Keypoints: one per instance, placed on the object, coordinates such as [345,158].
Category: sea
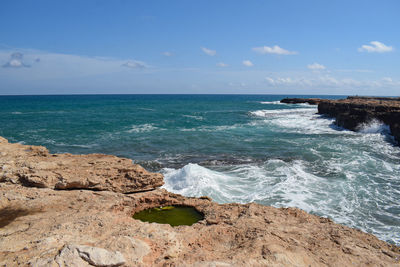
[232,148]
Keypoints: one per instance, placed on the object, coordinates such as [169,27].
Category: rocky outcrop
[311,101]
[34,166]
[352,112]
[47,227]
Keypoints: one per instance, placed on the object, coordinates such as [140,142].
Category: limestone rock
[75,255]
[48,227]
[229,235]
[34,166]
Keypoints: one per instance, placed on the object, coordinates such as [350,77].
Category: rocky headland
[311,101]
[76,210]
[353,112]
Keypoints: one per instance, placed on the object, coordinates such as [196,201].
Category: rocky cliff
[311,101]
[91,224]
[352,112]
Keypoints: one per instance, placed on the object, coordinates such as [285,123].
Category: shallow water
[231,148]
[172,215]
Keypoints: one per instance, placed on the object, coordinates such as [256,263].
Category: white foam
[147,109]
[345,196]
[200,118]
[266,113]
[374,127]
[148,127]
[16,112]
[212,128]
[272,103]
[298,120]
[194,180]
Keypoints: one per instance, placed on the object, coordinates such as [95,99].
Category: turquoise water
[233,148]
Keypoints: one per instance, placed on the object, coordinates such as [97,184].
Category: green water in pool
[173,215]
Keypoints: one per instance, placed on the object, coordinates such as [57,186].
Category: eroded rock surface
[34,166]
[47,227]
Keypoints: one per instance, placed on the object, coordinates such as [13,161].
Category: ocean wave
[300,120]
[194,180]
[147,127]
[212,128]
[292,105]
[199,118]
[271,112]
[16,113]
[147,109]
[373,127]
[272,103]
[341,190]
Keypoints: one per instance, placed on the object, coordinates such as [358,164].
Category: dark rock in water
[311,101]
[352,112]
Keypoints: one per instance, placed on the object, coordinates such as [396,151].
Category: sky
[200,47]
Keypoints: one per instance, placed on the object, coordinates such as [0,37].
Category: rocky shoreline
[76,210]
[354,111]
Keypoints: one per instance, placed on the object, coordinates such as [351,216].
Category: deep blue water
[234,148]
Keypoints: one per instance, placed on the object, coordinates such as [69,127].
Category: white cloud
[247,63]
[134,64]
[387,79]
[209,51]
[375,46]
[316,66]
[273,50]
[16,61]
[167,54]
[222,64]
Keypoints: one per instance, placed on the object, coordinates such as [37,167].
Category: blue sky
[236,47]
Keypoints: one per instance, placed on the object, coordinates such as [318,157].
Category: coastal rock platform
[42,224]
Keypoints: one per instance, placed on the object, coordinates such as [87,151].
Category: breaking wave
[148,127]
